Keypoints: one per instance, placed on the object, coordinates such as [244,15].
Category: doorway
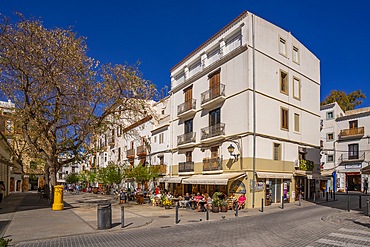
[276,190]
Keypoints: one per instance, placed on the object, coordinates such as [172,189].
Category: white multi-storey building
[345,146]
[212,114]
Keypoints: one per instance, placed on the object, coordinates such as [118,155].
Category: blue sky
[162,33]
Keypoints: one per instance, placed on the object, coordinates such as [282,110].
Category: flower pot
[223,209]
[215,209]
[167,206]
[95,190]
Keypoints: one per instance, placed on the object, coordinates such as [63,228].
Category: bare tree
[61,95]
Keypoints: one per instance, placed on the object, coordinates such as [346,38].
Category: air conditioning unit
[323,153]
[296,163]
[302,150]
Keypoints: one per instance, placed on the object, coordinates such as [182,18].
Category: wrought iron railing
[186,106]
[214,130]
[130,152]
[213,93]
[186,138]
[186,166]
[351,156]
[161,168]
[212,164]
[141,150]
[352,132]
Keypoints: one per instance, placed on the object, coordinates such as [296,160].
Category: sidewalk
[23,218]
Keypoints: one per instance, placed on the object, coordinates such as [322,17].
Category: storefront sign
[237,187]
[259,185]
[354,166]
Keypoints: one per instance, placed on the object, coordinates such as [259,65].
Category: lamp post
[231,151]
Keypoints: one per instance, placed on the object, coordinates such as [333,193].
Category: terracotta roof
[209,39]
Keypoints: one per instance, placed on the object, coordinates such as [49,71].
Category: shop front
[277,186]
[349,177]
[353,181]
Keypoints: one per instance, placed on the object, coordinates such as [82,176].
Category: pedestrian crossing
[345,237]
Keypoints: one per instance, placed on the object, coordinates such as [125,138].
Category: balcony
[187,108]
[213,96]
[213,133]
[352,133]
[130,154]
[306,165]
[352,157]
[186,166]
[141,150]
[212,164]
[186,140]
[161,169]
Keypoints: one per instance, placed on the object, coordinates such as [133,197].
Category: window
[284,119]
[105,140]
[353,124]
[154,159]
[277,151]
[66,172]
[161,160]
[119,154]
[282,46]
[162,112]
[352,151]
[73,170]
[302,156]
[188,156]
[296,88]
[234,42]
[213,56]
[195,68]
[330,115]
[188,95]
[284,82]
[189,126]
[330,137]
[214,152]
[105,158]
[296,122]
[295,54]
[215,117]
[155,139]
[330,158]
[161,138]
[60,176]
[180,78]
[132,144]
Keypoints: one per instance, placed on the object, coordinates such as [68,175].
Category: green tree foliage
[72,178]
[141,173]
[346,102]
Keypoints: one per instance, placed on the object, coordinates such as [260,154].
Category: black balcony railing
[212,131]
[351,156]
[186,138]
[186,106]
[212,164]
[186,166]
[213,93]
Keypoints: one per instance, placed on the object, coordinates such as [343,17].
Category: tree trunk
[22,178]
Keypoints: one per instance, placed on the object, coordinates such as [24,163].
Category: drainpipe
[254,113]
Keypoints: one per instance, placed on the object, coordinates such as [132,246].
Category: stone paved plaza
[323,224]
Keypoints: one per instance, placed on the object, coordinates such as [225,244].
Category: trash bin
[104,216]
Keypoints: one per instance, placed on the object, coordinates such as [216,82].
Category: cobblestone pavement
[296,227]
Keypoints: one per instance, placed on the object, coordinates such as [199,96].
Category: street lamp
[231,151]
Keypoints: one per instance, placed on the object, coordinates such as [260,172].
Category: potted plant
[216,202]
[223,205]
[167,204]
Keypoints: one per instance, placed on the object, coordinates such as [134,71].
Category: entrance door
[276,190]
[354,182]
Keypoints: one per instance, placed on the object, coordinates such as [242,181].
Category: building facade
[212,113]
[345,146]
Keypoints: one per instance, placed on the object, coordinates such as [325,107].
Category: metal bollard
[334,195]
[282,202]
[359,201]
[331,194]
[348,206]
[368,208]
[314,197]
[177,215]
[262,206]
[122,216]
[327,196]
[207,213]
[300,199]
[236,210]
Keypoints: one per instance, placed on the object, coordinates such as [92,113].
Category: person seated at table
[208,205]
[233,197]
[152,198]
[241,201]
[198,198]
[222,196]
[169,196]
[187,199]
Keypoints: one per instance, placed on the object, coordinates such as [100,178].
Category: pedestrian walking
[2,189]
[366,184]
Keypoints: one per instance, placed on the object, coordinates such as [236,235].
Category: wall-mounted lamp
[231,151]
